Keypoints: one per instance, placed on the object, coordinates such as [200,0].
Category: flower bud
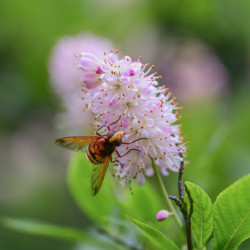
[163,215]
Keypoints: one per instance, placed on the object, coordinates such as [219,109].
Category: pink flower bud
[162,215]
[99,70]
[131,72]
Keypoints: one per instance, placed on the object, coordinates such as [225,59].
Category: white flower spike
[126,88]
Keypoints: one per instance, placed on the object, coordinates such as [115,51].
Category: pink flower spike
[163,215]
[127,94]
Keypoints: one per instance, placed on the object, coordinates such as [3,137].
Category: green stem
[165,195]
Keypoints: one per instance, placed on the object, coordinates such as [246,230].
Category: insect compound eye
[118,142]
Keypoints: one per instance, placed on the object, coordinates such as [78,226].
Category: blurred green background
[33,170]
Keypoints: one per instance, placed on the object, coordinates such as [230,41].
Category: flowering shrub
[125,95]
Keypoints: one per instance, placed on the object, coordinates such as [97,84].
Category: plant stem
[165,194]
[188,231]
[180,187]
[183,205]
[186,215]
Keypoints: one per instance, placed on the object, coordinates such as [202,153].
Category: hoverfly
[99,151]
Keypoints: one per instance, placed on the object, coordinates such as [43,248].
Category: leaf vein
[236,229]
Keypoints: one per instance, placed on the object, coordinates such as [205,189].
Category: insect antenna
[97,131]
[120,156]
[134,141]
[114,122]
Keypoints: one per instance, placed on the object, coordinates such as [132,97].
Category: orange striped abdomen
[99,149]
[93,154]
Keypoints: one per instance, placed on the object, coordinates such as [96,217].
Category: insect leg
[114,122]
[126,152]
[99,130]
[116,161]
[134,141]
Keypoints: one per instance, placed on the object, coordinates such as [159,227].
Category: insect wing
[75,143]
[98,174]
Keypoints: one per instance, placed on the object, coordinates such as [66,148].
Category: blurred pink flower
[194,71]
[66,77]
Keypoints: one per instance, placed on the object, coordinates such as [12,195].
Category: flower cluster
[124,88]
[194,71]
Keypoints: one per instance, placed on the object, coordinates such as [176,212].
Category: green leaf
[95,207]
[112,199]
[202,217]
[135,203]
[44,229]
[99,240]
[232,215]
[154,236]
